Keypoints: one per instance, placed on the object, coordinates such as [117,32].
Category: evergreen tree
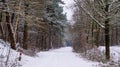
[54,12]
[56,19]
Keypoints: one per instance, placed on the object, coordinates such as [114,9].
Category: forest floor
[62,57]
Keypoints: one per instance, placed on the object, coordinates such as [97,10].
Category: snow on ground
[114,51]
[63,57]
[4,52]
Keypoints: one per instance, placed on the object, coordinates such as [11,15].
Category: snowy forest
[38,33]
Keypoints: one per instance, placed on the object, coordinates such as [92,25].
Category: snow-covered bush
[114,62]
[98,55]
[94,55]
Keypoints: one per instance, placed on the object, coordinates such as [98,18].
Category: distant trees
[95,20]
[34,24]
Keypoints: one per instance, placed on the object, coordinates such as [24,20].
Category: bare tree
[101,13]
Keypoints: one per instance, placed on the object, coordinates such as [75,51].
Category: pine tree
[56,19]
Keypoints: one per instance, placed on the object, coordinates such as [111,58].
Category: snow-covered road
[63,57]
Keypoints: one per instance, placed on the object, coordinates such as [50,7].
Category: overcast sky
[68,8]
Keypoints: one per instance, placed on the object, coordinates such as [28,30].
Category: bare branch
[88,13]
[117,7]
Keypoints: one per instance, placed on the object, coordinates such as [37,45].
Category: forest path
[63,57]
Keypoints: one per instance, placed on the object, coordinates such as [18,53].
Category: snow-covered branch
[89,14]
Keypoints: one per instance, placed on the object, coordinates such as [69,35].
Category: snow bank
[8,57]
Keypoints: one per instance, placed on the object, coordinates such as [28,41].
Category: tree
[56,20]
[100,12]
[26,20]
[25,35]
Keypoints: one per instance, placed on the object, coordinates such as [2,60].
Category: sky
[68,8]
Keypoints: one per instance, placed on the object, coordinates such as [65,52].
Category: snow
[63,57]
[114,51]
[4,52]
[68,8]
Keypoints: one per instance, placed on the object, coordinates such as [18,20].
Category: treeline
[34,24]
[96,24]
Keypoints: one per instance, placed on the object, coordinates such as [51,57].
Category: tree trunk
[10,30]
[117,35]
[107,41]
[50,36]
[97,37]
[25,36]
[1,28]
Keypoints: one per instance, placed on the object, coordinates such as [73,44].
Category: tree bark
[107,44]
[25,36]
[1,28]
[11,33]
[107,41]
